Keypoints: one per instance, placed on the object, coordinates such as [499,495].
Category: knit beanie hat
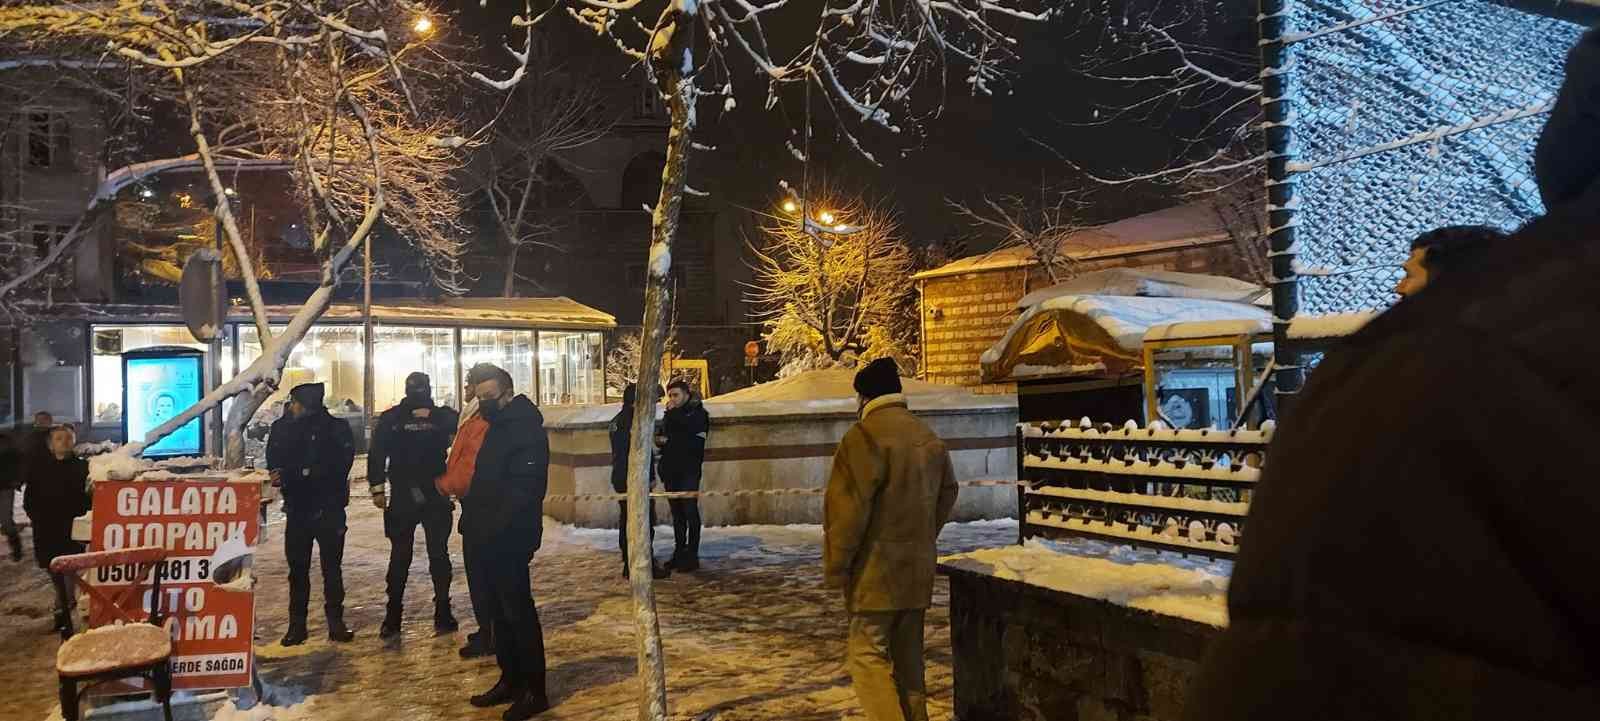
[879,378]
[310,395]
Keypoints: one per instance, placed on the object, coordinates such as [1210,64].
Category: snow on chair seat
[113,648]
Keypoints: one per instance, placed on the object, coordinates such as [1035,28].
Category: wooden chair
[135,648]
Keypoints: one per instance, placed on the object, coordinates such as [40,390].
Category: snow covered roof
[1178,226]
[1097,334]
[1152,282]
[561,313]
[1191,330]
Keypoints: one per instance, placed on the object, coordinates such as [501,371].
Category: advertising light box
[157,385]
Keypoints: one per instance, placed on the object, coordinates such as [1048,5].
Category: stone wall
[1025,653]
[755,446]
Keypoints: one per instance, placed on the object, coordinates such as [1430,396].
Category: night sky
[977,145]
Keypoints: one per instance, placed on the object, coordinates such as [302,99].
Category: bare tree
[343,97]
[1043,226]
[550,112]
[834,304]
[860,60]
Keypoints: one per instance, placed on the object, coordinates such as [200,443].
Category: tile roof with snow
[1178,226]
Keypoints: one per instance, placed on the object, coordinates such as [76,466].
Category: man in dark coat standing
[1413,551]
[502,521]
[309,454]
[682,440]
[409,446]
[621,434]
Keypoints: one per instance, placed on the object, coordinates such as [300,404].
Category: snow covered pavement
[753,635]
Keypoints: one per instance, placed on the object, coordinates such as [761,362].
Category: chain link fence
[1409,115]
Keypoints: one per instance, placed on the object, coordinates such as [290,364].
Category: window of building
[105,374]
[332,355]
[569,369]
[649,104]
[509,349]
[48,134]
[402,350]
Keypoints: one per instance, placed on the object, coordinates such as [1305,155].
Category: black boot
[443,620]
[479,644]
[529,703]
[296,634]
[503,692]
[391,624]
[15,540]
[337,631]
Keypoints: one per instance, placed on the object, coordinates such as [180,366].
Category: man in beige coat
[891,490]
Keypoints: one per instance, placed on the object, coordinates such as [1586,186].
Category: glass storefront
[569,368]
[330,354]
[403,350]
[509,349]
[110,341]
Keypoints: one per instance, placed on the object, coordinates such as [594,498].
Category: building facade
[967,305]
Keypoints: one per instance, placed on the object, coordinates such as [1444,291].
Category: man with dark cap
[621,435]
[409,446]
[1410,552]
[892,489]
[1443,251]
[502,520]
[681,438]
[309,455]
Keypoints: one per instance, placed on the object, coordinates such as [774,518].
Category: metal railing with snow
[1177,490]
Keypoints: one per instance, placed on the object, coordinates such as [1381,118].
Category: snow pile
[86,450]
[1208,329]
[823,384]
[108,647]
[1330,325]
[1150,282]
[119,465]
[1125,319]
[832,391]
[1160,582]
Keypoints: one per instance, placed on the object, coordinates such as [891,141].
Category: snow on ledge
[1163,583]
[1331,325]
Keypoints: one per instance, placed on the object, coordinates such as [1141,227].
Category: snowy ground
[753,635]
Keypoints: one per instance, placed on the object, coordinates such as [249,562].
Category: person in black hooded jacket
[309,454]
[621,434]
[57,493]
[682,439]
[502,522]
[409,445]
[1412,552]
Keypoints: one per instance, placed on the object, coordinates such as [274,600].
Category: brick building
[967,305]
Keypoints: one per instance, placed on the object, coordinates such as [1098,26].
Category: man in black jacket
[682,440]
[502,521]
[309,454]
[1411,553]
[621,434]
[409,445]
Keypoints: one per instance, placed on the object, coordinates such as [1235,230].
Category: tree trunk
[509,287]
[668,65]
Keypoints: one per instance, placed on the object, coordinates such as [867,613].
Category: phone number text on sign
[211,625]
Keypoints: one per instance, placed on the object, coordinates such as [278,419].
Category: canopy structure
[1098,335]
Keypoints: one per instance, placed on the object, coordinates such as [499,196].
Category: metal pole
[368,383]
[1276,109]
[218,445]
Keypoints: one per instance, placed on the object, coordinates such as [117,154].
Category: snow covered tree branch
[824,305]
[341,97]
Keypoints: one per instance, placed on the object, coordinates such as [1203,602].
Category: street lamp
[826,217]
[789,206]
[423,25]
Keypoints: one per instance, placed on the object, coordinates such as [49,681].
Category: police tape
[669,495]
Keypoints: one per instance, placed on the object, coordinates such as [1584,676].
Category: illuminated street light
[423,25]
[826,217]
[789,206]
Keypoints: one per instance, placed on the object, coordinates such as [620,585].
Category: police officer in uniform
[409,446]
